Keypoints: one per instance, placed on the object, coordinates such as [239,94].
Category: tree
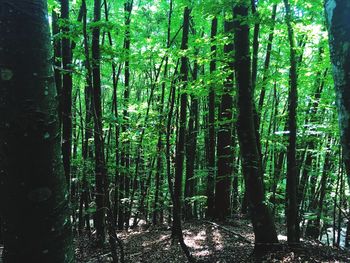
[224,141]
[264,227]
[211,126]
[339,29]
[181,139]
[66,99]
[34,198]
[292,180]
[125,155]
[100,168]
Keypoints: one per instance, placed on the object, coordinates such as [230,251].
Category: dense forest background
[195,111]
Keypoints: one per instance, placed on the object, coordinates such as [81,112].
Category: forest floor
[230,242]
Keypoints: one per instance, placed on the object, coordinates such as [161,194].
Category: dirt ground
[208,242]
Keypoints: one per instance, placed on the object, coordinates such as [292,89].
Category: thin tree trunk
[125,154]
[267,60]
[292,176]
[100,168]
[57,44]
[211,126]
[66,92]
[180,145]
[224,139]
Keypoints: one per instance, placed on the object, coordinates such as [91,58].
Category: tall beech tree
[66,95]
[292,176]
[34,198]
[100,167]
[211,125]
[224,141]
[263,224]
[337,18]
[181,139]
[125,155]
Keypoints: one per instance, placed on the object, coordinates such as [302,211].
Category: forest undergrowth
[211,242]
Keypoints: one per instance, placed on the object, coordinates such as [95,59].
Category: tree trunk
[292,176]
[100,169]
[125,154]
[224,146]
[191,150]
[66,92]
[57,45]
[180,145]
[267,61]
[337,14]
[211,126]
[34,198]
[263,225]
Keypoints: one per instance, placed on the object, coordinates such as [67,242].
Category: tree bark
[224,139]
[263,225]
[125,149]
[66,96]
[100,168]
[181,139]
[34,197]
[211,126]
[292,176]
[337,14]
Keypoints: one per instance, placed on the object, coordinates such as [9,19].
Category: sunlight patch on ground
[202,253]
[282,237]
[195,241]
[217,239]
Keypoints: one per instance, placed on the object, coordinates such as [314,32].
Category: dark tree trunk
[180,145]
[211,127]
[191,150]
[292,176]
[87,151]
[100,169]
[125,154]
[314,226]
[263,225]
[255,42]
[224,145]
[34,198]
[159,175]
[66,96]
[57,45]
[337,13]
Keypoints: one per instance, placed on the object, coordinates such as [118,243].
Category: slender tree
[125,155]
[34,198]
[292,177]
[263,224]
[211,126]
[66,97]
[100,168]
[181,139]
[224,139]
